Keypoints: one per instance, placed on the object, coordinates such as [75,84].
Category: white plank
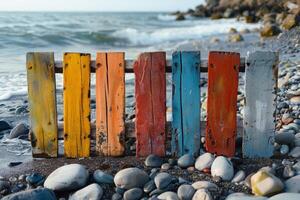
[260,104]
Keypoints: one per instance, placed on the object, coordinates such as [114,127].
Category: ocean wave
[166,17]
[141,37]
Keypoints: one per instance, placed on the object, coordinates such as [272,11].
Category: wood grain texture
[110,104]
[222,102]
[42,103]
[186,103]
[260,105]
[150,94]
[76,105]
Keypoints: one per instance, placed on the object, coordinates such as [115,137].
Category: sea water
[22,32]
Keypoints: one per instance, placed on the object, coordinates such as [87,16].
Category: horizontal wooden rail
[129,66]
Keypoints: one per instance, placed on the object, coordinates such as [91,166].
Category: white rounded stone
[223,168]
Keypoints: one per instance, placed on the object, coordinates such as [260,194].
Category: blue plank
[177,137]
[186,103]
[190,91]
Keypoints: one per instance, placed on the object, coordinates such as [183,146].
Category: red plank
[222,102]
[150,94]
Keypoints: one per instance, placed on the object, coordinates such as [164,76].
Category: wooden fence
[150,93]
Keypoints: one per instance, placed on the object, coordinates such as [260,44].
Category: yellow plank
[76,74]
[42,102]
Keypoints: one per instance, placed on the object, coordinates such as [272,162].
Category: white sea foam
[166,17]
[201,29]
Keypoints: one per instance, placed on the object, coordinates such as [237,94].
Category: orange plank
[110,100]
[222,102]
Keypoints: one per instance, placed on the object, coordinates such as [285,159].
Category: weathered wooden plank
[190,91]
[158,95]
[76,105]
[177,134]
[150,87]
[42,103]
[129,66]
[186,103]
[222,102]
[110,100]
[260,104]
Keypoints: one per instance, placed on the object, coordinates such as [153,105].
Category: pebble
[149,187]
[153,161]
[21,110]
[286,118]
[284,149]
[131,178]
[35,179]
[4,125]
[19,131]
[186,161]
[264,183]
[205,185]
[168,196]
[238,177]
[90,192]
[223,168]
[243,196]
[293,184]
[288,172]
[185,192]
[133,194]
[68,177]
[295,152]
[202,194]
[102,177]
[41,193]
[286,196]
[286,137]
[162,180]
[204,161]
[165,166]
[4,185]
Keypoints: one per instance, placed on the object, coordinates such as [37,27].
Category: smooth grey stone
[131,178]
[204,161]
[202,194]
[238,177]
[153,173]
[36,194]
[186,161]
[153,161]
[295,152]
[162,180]
[21,110]
[223,168]
[286,196]
[149,187]
[168,196]
[293,184]
[133,194]
[102,177]
[185,192]
[68,177]
[165,166]
[120,190]
[243,196]
[4,125]
[19,131]
[285,138]
[205,185]
[90,192]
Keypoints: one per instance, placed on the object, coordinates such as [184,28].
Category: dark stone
[4,125]
[153,161]
[133,194]
[35,179]
[149,187]
[13,164]
[21,110]
[116,196]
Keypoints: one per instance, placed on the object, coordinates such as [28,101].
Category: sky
[97,5]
